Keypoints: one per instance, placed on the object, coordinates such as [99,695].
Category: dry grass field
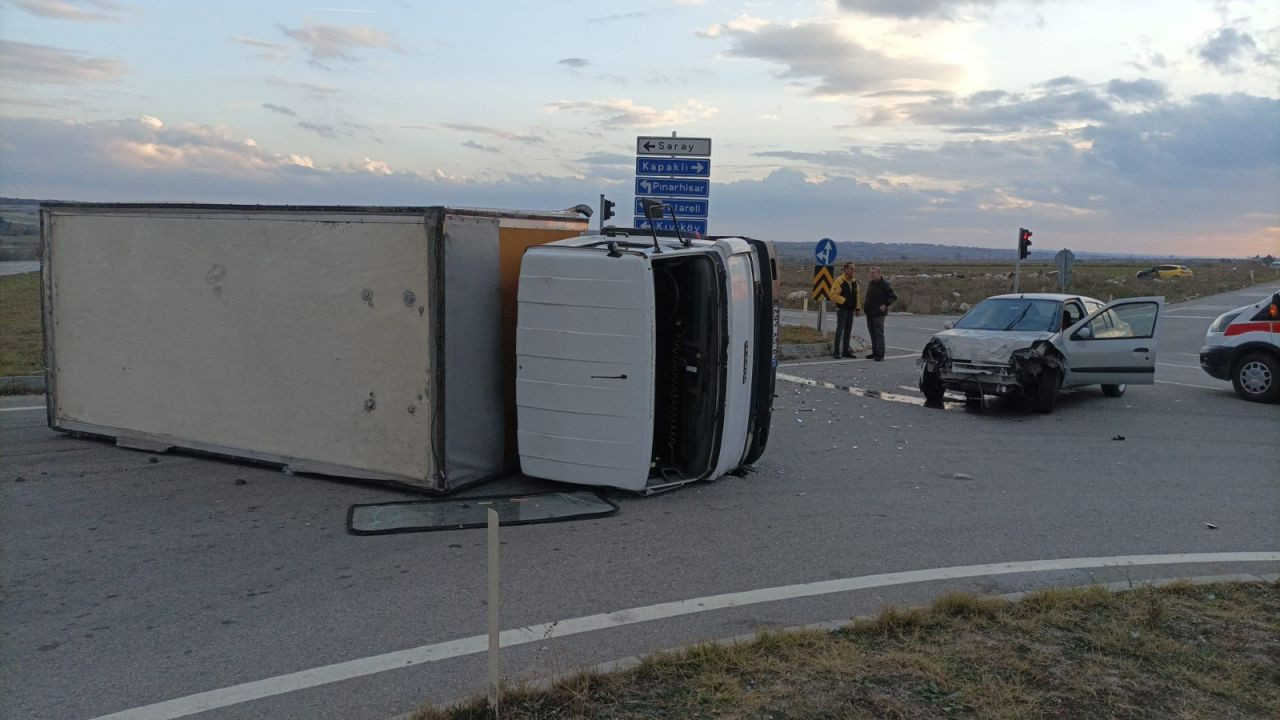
[945,288]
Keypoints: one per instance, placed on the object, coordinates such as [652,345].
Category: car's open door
[1115,345]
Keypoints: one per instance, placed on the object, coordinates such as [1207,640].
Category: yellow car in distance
[1165,272]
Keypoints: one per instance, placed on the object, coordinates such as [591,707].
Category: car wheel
[1113,390]
[1047,390]
[1256,377]
[932,388]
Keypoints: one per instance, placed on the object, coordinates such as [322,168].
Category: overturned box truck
[429,347]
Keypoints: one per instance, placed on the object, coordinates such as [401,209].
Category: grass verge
[21,344]
[1182,651]
[799,335]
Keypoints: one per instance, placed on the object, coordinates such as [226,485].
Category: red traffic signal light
[1024,243]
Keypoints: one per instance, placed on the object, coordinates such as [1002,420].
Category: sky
[1126,126]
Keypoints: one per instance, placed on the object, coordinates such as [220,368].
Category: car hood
[987,346]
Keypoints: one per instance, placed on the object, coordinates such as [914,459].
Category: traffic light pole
[1017,262]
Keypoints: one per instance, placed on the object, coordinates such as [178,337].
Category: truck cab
[645,362]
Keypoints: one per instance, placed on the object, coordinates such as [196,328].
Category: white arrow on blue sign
[660,186]
[825,251]
[673,166]
[688,227]
[684,207]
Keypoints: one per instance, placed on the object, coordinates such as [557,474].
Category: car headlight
[1220,325]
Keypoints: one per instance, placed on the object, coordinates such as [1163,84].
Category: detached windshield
[1013,314]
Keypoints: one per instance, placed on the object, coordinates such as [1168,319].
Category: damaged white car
[1032,345]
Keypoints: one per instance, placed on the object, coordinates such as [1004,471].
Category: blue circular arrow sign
[825,251]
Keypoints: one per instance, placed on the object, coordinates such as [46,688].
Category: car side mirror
[1085,333]
[948,324]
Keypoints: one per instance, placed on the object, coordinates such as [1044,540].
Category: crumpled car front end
[986,362]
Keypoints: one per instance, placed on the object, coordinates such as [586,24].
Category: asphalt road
[126,582]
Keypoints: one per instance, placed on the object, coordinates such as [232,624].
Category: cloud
[607,159]
[324,41]
[279,109]
[1141,90]
[1001,110]
[1229,49]
[319,128]
[617,17]
[821,52]
[912,8]
[523,138]
[625,113]
[1178,176]
[315,89]
[92,10]
[255,42]
[477,146]
[26,63]
[574,63]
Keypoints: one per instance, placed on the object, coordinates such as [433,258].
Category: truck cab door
[584,366]
[1115,345]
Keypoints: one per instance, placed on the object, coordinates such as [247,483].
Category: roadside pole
[1017,262]
[495,626]
[822,312]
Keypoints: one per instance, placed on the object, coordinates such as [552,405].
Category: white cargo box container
[320,338]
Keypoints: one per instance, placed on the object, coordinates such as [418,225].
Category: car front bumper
[1216,361]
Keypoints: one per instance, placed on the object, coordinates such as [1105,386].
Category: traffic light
[606,209]
[1024,243]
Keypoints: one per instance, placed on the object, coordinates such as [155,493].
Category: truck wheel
[931,386]
[1047,390]
[1256,377]
[1113,390]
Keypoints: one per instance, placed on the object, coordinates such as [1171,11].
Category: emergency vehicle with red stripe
[1243,346]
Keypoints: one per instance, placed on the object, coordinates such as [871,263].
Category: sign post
[824,279]
[1065,260]
[677,171]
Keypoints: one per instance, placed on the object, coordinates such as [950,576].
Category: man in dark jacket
[848,304]
[879,297]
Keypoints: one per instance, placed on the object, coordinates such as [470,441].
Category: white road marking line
[20,409]
[314,677]
[1202,387]
[1189,367]
[1189,317]
[930,329]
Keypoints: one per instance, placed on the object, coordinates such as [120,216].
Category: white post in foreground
[495,669]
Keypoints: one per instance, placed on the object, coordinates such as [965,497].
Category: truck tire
[1256,377]
[1113,390]
[1046,395]
[932,388]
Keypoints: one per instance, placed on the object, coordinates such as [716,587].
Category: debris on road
[1211,526]
[1118,437]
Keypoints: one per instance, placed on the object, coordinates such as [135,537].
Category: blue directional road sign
[688,227]
[673,166]
[649,187]
[684,207]
[825,252]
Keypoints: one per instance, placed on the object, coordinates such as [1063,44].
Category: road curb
[22,385]
[812,350]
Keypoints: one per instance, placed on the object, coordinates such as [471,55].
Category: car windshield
[1013,314]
